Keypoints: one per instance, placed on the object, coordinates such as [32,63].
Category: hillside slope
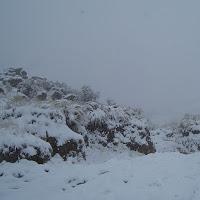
[41,118]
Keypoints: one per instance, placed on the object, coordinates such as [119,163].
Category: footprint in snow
[18,175]
[74,182]
[125,181]
[103,172]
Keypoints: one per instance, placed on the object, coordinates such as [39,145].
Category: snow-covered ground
[155,176]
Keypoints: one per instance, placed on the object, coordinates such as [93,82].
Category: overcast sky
[138,52]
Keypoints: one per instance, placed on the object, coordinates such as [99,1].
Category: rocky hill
[40,118]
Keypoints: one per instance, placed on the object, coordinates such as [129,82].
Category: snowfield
[155,176]
[61,143]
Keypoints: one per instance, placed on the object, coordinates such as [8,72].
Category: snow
[162,142]
[156,176]
[35,120]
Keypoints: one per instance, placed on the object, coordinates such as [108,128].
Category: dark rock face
[56,95]
[144,148]
[70,148]
[16,153]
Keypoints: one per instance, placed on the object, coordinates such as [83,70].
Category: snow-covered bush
[15,146]
[188,133]
[110,126]
[43,123]
[87,94]
[183,136]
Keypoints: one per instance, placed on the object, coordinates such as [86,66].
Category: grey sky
[138,52]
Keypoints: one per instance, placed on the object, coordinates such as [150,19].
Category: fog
[137,52]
